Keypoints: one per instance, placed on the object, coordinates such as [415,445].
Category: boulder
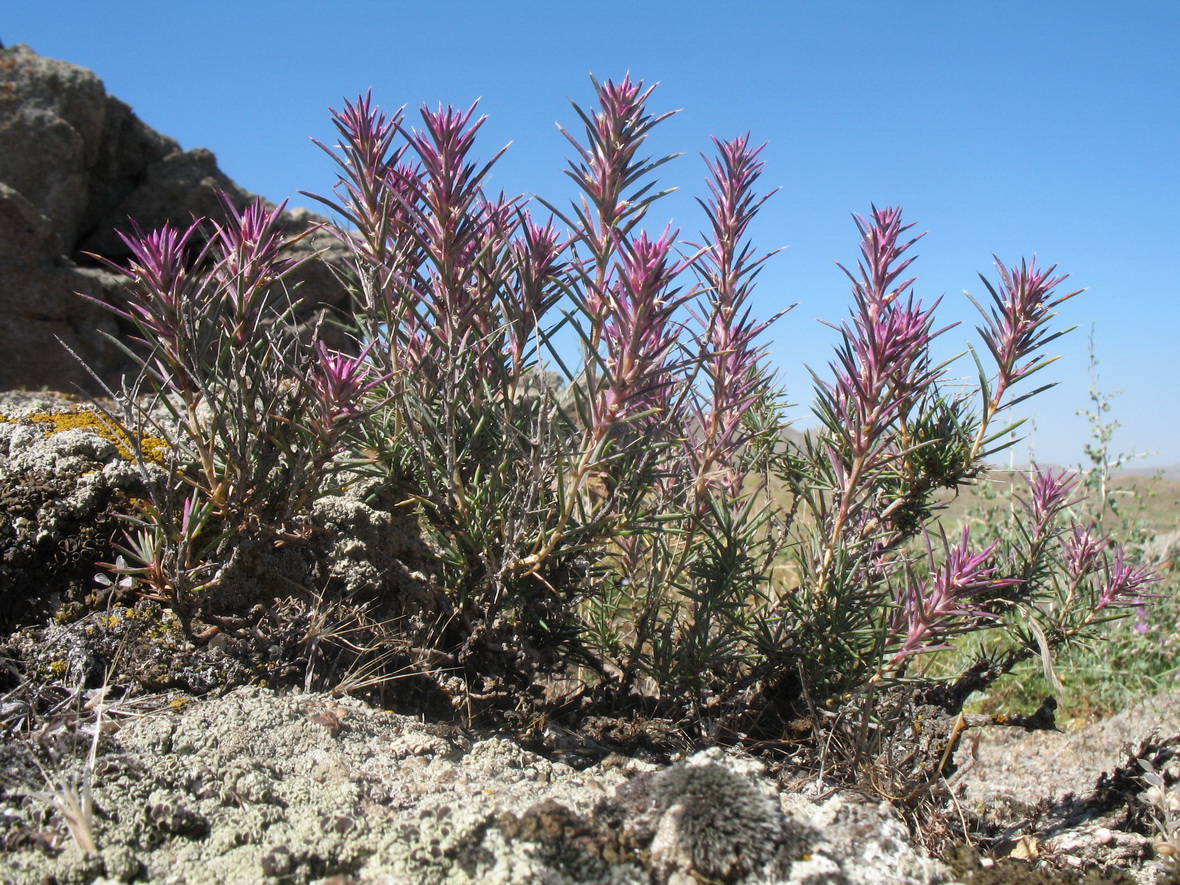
[75,165]
[64,473]
[26,235]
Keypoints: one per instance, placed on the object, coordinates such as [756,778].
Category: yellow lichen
[154,449]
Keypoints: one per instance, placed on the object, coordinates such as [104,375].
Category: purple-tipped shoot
[947,601]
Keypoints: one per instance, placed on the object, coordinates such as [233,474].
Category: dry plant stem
[79,810]
[73,799]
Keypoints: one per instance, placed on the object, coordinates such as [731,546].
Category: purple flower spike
[450,182]
[1122,584]
[1083,551]
[372,192]
[639,334]
[537,272]
[164,286]
[945,597]
[728,267]
[1016,327]
[338,382]
[614,132]
[609,169]
[1048,494]
[882,261]
[882,363]
[247,247]
[733,202]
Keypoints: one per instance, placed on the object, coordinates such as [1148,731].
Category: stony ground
[1073,797]
[1025,766]
[257,787]
[260,787]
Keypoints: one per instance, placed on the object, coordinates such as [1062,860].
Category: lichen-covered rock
[369,548]
[865,840]
[311,612]
[64,474]
[1074,800]
[144,645]
[257,787]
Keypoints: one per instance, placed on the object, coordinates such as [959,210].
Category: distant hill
[1170,472]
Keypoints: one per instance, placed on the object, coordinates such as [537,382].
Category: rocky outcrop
[255,787]
[75,165]
[64,473]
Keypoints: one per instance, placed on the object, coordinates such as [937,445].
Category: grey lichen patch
[255,787]
[711,816]
[866,842]
[259,787]
[372,551]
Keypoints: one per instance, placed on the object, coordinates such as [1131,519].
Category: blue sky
[1014,128]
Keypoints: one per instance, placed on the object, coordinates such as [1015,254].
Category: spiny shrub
[630,527]
[253,414]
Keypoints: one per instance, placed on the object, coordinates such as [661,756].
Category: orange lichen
[154,449]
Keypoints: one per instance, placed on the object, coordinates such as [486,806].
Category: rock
[374,551]
[63,473]
[1163,549]
[258,787]
[1075,800]
[26,235]
[189,179]
[1018,767]
[41,315]
[52,118]
[75,165]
